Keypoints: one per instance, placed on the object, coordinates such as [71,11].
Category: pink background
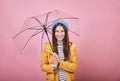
[98,47]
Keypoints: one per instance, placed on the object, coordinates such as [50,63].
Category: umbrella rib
[37,20]
[62,18]
[74,33]
[31,28]
[46,19]
[69,18]
[35,33]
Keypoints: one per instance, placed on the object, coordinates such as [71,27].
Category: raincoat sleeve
[45,65]
[72,64]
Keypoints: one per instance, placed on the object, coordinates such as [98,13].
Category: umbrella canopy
[41,24]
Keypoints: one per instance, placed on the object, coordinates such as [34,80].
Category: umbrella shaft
[48,37]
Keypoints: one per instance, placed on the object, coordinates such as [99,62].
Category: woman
[61,64]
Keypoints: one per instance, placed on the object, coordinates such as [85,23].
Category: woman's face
[59,33]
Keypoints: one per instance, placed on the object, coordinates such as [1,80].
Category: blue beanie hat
[62,22]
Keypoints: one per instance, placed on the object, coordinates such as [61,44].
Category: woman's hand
[56,60]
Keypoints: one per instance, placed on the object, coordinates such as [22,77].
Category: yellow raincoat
[69,66]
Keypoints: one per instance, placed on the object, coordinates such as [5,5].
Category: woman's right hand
[56,58]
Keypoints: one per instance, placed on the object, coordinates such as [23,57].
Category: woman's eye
[59,31]
[56,31]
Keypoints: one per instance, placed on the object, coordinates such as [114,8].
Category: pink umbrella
[41,24]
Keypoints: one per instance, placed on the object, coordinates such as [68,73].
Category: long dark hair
[66,47]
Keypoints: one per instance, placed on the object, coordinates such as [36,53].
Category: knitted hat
[62,22]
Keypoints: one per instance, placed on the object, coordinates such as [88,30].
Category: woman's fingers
[56,57]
